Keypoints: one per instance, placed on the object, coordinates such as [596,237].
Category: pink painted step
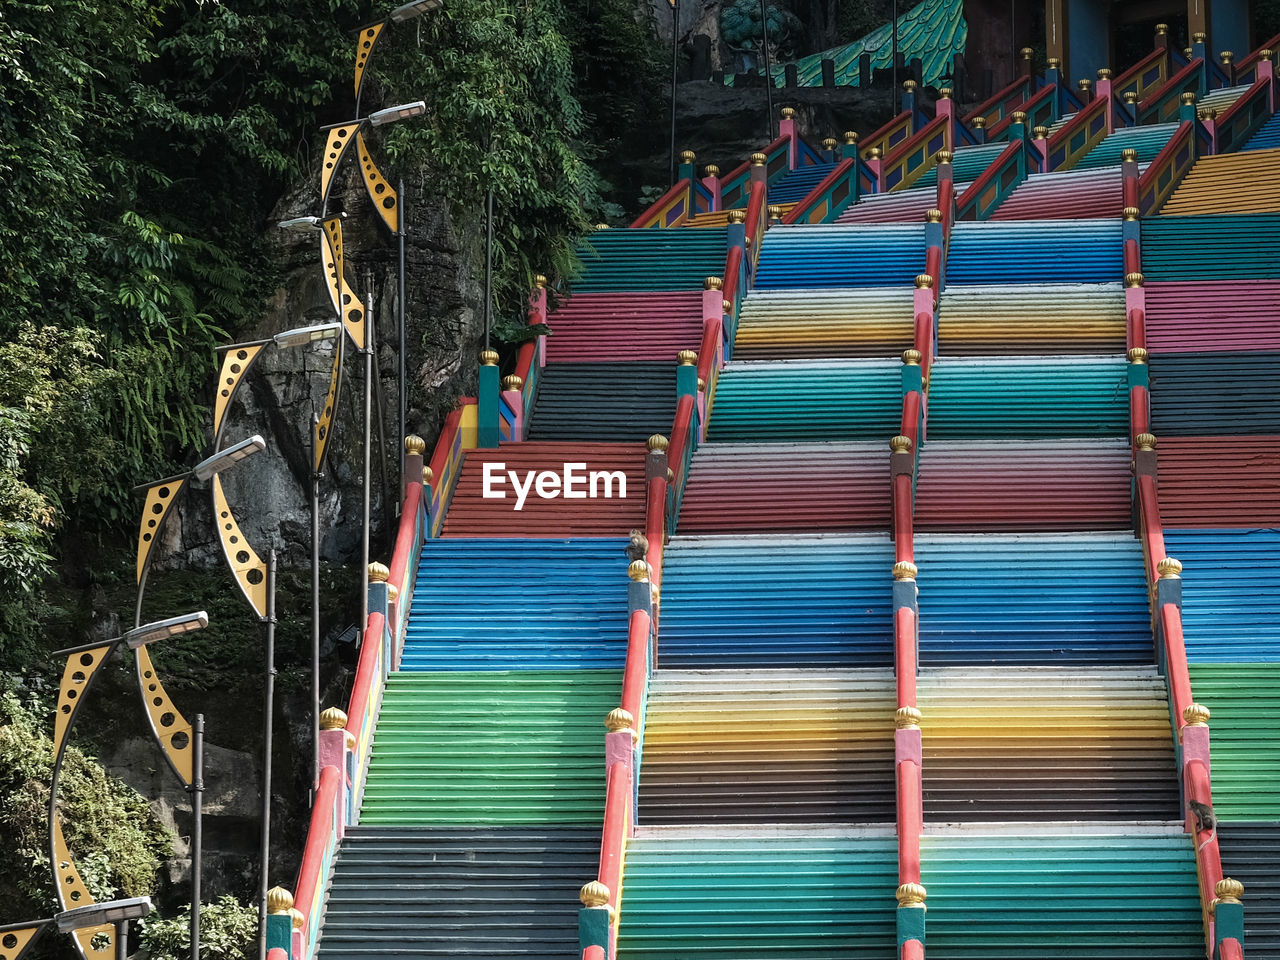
[596,327]
[1082,195]
[906,206]
[1212,315]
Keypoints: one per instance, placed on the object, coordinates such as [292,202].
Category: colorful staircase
[1236,183]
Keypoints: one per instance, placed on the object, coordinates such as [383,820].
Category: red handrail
[905,654]
[1082,118]
[910,820]
[366,672]
[319,837]
[656,208]
[976,188]
[636,671]
[1272,44]
[732,268]
[830,180]
[406,546]
[986,105]
[1192,67]
[755,211]
[1175,650]
[1120,82]
[902,532]
[912,142]
[1026,107]
[709,351]
[617,821]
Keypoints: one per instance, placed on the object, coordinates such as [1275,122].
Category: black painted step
[1251,854]
[410,892]
[604,401]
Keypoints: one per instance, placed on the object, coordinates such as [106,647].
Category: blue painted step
[518,604]
[1266,137]
[840,255]
[1036,251]
[775,601]
[799,183]
[1032,599]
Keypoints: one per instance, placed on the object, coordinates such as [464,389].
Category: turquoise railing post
[736,232]
[1228,919]
[280,921]
[686,171]
[594,917]
[910,919]
[912,377]
[850,146]
[687,374]
[1017,126]
[1199,51]
[488,432]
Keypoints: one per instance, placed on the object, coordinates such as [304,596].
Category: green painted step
[787,400]
[758,898]
[1222,247]
[492,747]
[1244,736]
[1087,895]
[650,259]
[1028,397]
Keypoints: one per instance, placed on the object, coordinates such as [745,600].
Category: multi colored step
[603,401]
[1046,743]
[768,747]
[1042,251]
[634,260]
[490,747]
[814,486]
[830,322]
[1085,891]
[1244,736]
[1238,183]
[754,896]
[776,601]
[608,507]
[1039,598]
[1041,319]
[518,604]
[1020,485]
[413,892]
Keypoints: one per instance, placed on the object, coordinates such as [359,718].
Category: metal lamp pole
[269,694]
[675,37]
[768,73]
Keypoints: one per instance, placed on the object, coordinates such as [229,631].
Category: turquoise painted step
[968,163]
[1225,247]
[1244,736]
[499,603]
[758,898]
[519,747]
[1028,397]
[650,259]
[840,255]
[776,601]
[846,399]
[1148,141]
[1116,894]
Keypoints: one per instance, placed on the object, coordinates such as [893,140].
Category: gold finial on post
[912,357]
[333,718]
[758,159]
[1162,29]
[904,570]
[1226,56]
[1146,442]
[687,156]
[1228,890]
[638,570]
[899,444]
[1134,279]
[1266,53]
[944,156]
[944,93]
[540,280]
[378,572]
[911,895]
[737,216]
[1018,116]
[787,112]
[1053,63]
[279,900]
[1128,154]
[979,123]
[1104,73]
[1187,99]
[1137,355]
[428,474]
[932,216]
[1040,132]
[910,86]
[1130,213]
[414,445]
[512,382]
[711,170]
[687,358]
[1027,53]
[1169,569]
[829,143]
[850,137]
[1084,84]
[619,719]
[1199,37]
[657,443]
[1196,715]
[906,717]
[489,358]
[299,921]
[775,211]
[1131,96]
[713,283]
[924,281]
[594,894]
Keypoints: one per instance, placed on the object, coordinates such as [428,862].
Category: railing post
[1025,66]
[759,173]
[1265,69]
[1144,458]
[737,229]
[787,128]
[336,745]
[1132,232]
[1053,76]
[594,917]
[1162,36]
[685,170]
[979,127]
[1228,919]
[513,394]
[946,107]
[875,167]
[1131,107]
[488,431]
[279,921]
[1199,50]
[910,919]
[711,180]
[1017,126]
[909,100]
[1169,586]
[1187,108]
[657,473]
[829,145]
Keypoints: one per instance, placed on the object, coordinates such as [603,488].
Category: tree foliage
[227,932]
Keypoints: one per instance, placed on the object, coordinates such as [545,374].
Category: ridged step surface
[604,401]
[501,892]
[493,747]
[898,206]
[1016,485]
[1230,595]
[1027,319]
[839,255]
[871,322]
[1069,194]
[1244,736]
[570,608]
[1028,397]
[799,183]
[774,601]
[795,400]
[1266,137]
[762,898]
[1220,481]
[1229,183]
[1074,897]
[768,746]
[1250,853]
[1210,315]
[1032,599]
[599,327]
[1210,247]
[1148,140]
[1085,745]
[968,163]
[787,488]
[607,514]
[1046,251]
[650,259]
[1194,394]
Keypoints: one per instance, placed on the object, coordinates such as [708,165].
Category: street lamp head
[163,629]
[207,467]
[302,336]
[301,224]
[414,8]
[401,111]
[96,914]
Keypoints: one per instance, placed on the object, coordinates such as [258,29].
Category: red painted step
[1022,485]
[595,327]
[787,488]
[1219,481]
[471,514]
[1212,316]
